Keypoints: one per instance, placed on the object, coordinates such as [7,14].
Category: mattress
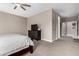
[13,42]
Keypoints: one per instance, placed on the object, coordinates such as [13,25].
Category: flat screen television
[34,27]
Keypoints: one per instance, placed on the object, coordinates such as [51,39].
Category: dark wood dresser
[34,34]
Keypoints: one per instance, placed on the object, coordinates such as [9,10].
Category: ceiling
[63,9]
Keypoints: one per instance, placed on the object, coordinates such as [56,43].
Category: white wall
[54,25]
[64,29]
[46,22]
[57,27]
[12,24]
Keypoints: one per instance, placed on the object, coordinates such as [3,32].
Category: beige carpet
[61,47]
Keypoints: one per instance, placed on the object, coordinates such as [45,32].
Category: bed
[13,44]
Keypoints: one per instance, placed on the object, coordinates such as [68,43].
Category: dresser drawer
[34,34]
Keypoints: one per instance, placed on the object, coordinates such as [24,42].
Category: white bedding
[13,42]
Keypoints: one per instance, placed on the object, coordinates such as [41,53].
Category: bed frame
[20,53]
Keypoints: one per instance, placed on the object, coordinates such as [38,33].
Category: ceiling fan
[22,5]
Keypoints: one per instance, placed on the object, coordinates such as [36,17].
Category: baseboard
[54,40]
[48,40]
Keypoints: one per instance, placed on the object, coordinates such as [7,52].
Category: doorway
[69,29]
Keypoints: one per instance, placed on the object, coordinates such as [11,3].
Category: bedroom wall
[12,24]
[44,21]
[54,25]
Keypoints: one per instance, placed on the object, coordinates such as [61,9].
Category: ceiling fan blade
[26,5]
[22,7]
[15,7]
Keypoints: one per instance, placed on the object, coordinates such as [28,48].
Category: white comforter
[12,42]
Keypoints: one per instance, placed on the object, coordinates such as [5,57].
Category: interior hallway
[61,47]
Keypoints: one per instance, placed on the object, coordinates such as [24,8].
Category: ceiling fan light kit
[21,5]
